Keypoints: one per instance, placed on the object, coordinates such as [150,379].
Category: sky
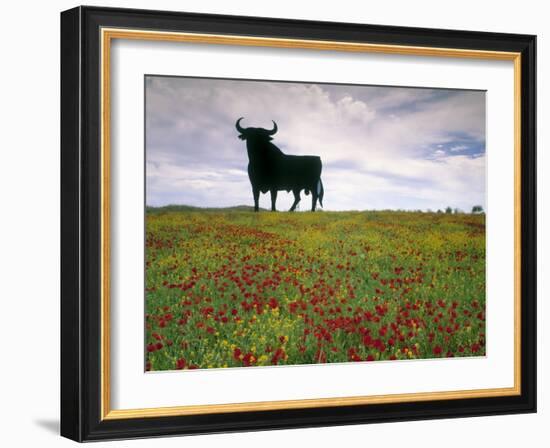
[381,147]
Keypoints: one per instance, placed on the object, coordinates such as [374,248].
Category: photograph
[291,223]
[272,222]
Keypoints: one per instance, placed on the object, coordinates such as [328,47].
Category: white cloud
[377,144]
[458,148]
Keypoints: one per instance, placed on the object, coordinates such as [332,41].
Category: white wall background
[29,234]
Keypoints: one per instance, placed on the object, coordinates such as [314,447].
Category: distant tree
[477,209]
[439,210]
[448,210]
[457,211]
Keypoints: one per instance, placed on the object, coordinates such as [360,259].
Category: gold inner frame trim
[107,35]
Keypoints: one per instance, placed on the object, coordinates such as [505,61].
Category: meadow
[233,288]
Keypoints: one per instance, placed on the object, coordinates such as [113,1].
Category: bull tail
[320,191]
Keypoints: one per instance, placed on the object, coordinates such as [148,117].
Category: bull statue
[269,169]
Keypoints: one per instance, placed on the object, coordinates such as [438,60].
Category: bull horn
[238,125]
[274,129]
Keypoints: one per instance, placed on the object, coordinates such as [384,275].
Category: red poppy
[249,359]
[237,354]
[180,364]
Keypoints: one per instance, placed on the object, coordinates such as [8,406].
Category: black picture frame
[81,224]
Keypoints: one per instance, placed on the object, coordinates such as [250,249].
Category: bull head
[246,133]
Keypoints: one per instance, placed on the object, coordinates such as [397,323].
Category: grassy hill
[192,208]
[232,288]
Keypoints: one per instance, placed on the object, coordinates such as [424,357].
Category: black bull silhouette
[269,169]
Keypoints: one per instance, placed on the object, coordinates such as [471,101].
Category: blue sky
[381,147]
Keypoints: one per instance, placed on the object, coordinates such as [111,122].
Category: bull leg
[273,200]
[256,193]
[296,200]
[314,197]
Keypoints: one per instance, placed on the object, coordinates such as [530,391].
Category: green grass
[233,288]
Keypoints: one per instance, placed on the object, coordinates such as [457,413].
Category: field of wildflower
[230,288]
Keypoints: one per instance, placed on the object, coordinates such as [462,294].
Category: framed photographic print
[272,223]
